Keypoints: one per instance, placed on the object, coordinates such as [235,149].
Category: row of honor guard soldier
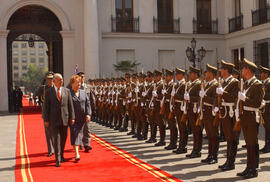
[154,100]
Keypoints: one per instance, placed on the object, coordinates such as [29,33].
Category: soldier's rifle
[239,108]
[162,104]
[200,114]
[184,115]
[216,120]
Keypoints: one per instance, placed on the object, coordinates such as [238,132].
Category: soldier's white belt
[227,104]
[230,105]
[207,104]
[179,101]
[253,109]
[267,101]
[167,100]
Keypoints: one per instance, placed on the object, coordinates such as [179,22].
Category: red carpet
[104,163]
[29,107]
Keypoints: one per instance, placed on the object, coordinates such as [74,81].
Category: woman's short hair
[73,79]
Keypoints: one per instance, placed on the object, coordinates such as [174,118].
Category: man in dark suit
[58,112]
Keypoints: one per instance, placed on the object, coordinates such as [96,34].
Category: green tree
[126,66]
[33,78]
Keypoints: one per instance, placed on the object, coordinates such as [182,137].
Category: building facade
[23,55]
[95,34]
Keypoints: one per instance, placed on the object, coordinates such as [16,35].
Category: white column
[69,59]
[91,39]
[3,71]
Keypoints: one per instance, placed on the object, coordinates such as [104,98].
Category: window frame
[235,8]
[204,23]
[165,25]
[124,23]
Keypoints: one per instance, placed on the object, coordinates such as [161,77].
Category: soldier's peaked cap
[249,64]
[134,75]
[49,75]
[168,72]
[127,75]
[142,75]
[211,68]
[157,73]
[264,70]
[179,71]
[227,65]
[150,74]
[194,70]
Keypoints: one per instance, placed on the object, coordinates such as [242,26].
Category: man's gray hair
[57,75]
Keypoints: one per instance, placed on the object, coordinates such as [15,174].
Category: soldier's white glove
[113,92]
[144,94]
[130,94]
[173,93]
[154,93]
[171,107]
[219,91]
[216,109]
[202,93]
[109,93]
[199,109]
[186,96]
[96,92]
[136,90]
[142,104]
[241,96]
[163,91]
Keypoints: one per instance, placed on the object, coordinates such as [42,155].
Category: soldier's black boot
[153,134]
[257,155]
[228,154]
[254,162]
[197,145]
[139,130]
[132,132]
[210,154]
[162,130]
[120,122]
[173,139]
[182,144]
[266,148]
[215,147]
[145,130]
[232,153]
[125,126]
[245,172]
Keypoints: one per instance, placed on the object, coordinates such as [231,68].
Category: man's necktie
[59,94]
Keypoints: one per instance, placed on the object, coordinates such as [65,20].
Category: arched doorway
[40,21]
